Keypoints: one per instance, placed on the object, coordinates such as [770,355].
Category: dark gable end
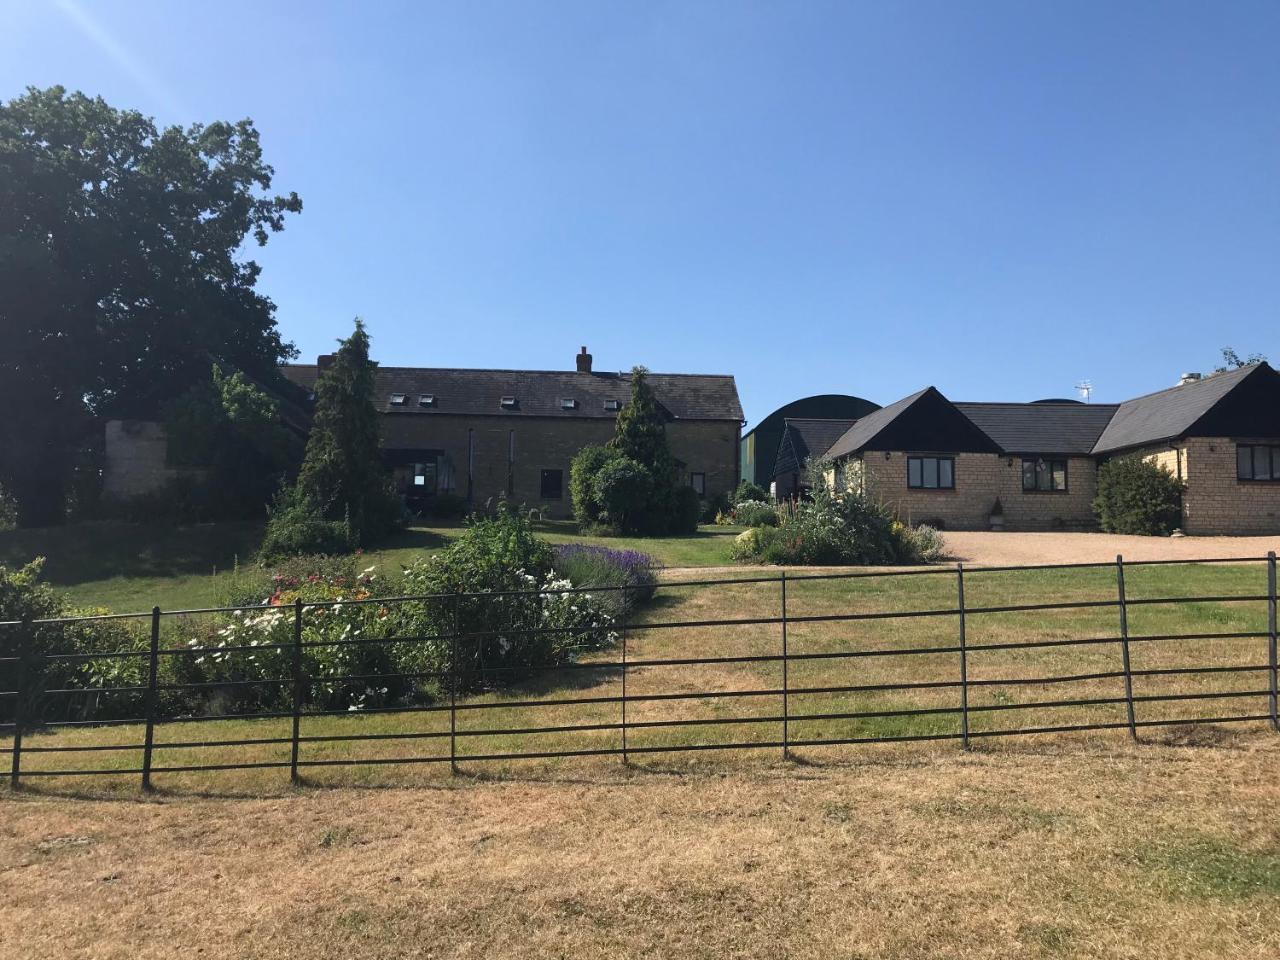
[923,422]
[1201,408]
[1251,410]
[805,439]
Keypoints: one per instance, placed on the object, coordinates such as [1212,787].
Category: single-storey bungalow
[1034,465]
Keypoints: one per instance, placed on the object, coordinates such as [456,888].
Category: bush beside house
[1136,496]
[834,529]
[630,485]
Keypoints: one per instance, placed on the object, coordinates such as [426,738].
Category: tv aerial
[1085,389]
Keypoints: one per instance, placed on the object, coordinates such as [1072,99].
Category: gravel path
[1031,548]
[984,548]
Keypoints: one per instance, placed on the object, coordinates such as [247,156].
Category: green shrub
[630,486]
[587,463]
[225,674]
[923,543]
[749,491]
[24,597]
[686,509]
[624,490]
[750,545]
[491,562]
[754,513]
[1137,497]
[298,527]
[848,529]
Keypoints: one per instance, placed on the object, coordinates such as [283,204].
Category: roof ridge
[1032,403]
[823,419]
[567,373]
[1245,371]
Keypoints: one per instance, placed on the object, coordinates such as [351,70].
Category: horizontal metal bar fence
[483,698]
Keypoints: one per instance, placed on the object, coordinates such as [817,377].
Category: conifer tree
[342,473]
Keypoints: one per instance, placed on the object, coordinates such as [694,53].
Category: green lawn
[497,722]
[134,567]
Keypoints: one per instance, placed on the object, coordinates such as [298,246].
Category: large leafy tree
[122,276]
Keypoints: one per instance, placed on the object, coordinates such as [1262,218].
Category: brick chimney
[584,361]
[325,361]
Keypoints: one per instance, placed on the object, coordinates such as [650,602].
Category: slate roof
[803,438]
[864,431]
[1042,427]
[1167,414]
[539,393]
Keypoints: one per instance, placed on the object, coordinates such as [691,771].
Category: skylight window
[398,399]
[613,404]
[427,400]
[508,403]
[568,403]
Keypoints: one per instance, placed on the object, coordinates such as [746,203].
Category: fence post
[153,661]
[298,691]
[24,646]
[626,759]
[1271,636]
[1124,648]
[453,692]
[964,661]
[786,705]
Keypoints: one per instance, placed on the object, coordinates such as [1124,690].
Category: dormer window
[568,403]
[427,400]
[613,405]
[399,399]
[508,403]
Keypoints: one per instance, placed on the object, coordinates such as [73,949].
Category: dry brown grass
[1081,847]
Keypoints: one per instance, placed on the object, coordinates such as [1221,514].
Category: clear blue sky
[995,198]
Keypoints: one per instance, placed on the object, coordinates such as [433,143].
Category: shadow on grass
[414,538]
[96,551]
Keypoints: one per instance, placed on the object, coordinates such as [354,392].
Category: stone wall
[134,459]
[1215,502]
[977,483]
[1070,509]
[708,447]
[980,478]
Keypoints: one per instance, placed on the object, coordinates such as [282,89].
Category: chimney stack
[325,361]
[1188,378]
[584,361]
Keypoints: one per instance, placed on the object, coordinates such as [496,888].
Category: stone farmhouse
[483,434]
[1033,466]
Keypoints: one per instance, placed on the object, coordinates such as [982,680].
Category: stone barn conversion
[482,434]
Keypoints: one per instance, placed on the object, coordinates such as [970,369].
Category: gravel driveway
[1015,549]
